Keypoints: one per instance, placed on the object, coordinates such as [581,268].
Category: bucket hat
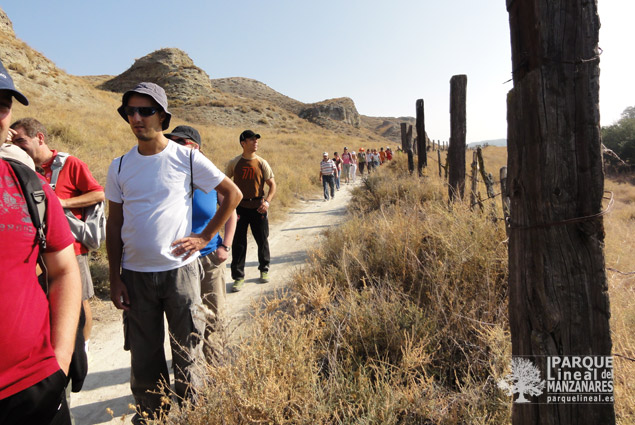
[156,92]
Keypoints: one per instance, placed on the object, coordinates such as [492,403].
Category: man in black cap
[37,332]
[251,173]
[152,250]
[216,252]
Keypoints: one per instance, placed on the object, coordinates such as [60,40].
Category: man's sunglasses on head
[144,111]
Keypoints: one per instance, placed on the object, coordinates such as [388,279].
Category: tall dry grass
[399,317]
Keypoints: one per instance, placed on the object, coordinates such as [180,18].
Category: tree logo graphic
[524,379]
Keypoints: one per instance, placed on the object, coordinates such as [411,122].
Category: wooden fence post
[505,197]
[474,181]
[558,291]
[422,159]
[406,144]
[439,161]
[456,150]
[487,177]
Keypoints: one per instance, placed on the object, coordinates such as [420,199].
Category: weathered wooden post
[406,144]
[505,197]
[422,159]
[487,177]
[474,181]
[411,159]
[439,161]
[456,150]
[558,295]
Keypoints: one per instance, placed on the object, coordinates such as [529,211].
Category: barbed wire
[571,220]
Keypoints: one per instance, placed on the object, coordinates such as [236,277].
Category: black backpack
[35,198]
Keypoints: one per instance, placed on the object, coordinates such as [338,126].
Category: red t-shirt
[75,179]
[26,354]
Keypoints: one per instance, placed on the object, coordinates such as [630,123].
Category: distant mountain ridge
[493,142]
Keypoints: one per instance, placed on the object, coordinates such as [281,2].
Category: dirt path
[107,384]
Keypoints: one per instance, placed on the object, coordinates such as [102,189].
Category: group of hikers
[166,204]
[344,167]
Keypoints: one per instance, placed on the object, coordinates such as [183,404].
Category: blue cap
[6,83]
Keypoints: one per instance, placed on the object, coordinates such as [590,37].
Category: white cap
[12,151]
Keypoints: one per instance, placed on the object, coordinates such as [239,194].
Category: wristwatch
[227,248]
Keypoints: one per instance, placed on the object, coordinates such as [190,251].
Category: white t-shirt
[157,205]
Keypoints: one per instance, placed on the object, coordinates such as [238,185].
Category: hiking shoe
[238,285]
[264,277]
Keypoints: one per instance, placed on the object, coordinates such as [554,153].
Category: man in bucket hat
[152,251]
[37,332]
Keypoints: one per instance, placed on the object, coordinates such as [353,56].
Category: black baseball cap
[248,134]
[156,92]
[6,83]
[186,132]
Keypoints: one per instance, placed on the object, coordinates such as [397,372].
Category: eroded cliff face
[342,110]
[6,26]
[173,70]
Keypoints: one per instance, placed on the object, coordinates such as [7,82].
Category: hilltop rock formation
[35,75]
[173,70]
[6,26]
[253,89]
[341,109]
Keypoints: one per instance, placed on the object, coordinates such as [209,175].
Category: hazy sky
[382,54]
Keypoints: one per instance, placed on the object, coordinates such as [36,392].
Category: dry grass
[400,317]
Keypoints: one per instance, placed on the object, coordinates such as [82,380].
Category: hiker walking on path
[327,175]
[361,161]
[73,184]
[353,165]
[346,165]
[338,164]
[382,156]
[216,252]
[250,173]
[152,251]
[37,332]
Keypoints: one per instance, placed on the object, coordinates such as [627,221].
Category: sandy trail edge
[107,384]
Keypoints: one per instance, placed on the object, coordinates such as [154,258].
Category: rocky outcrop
[342,110]
[173,70]
[255,90]
[6,26]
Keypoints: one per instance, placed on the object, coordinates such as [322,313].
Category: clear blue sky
[383,54]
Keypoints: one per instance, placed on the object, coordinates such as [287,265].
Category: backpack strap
[56,167]
[34,197]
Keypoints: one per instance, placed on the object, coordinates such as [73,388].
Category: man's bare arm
[85,200]
[230,229]
[114,247]
[264,206]
[65,300]
[195,242]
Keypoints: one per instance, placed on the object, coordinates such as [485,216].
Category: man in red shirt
[37,333]
[76,188]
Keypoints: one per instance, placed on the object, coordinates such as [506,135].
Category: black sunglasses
[144,111]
